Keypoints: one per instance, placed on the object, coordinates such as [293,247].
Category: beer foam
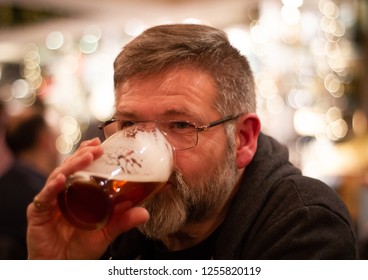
[134,155]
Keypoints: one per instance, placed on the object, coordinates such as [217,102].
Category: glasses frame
[197,128]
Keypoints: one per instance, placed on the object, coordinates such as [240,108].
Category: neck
[39,162]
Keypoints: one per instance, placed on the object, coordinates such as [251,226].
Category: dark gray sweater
[276,214]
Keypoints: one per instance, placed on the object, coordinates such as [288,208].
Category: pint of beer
[136,163]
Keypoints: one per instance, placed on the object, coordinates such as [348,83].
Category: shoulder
[299,191]
[300,194]
[304,218]
[17,185]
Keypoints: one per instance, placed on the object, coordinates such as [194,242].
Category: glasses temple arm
[106,123]
[226,119]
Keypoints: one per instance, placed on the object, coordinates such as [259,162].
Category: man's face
[203,176]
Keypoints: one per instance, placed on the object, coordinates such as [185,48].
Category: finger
[77,161]
[56,181]
[95,150]
[46,199]
[93,142]
[125,219]
[132,218]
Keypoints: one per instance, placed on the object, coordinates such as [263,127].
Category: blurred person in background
[233,193]
[6,155]
[32,143]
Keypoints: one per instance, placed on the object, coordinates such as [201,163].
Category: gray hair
[164,47]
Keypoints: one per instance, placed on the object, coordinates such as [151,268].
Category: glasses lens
[181,134]
[110,129]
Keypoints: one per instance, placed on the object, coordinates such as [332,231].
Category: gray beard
[183,204]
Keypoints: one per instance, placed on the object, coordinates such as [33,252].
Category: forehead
[181,90]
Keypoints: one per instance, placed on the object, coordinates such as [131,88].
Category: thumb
[124,220]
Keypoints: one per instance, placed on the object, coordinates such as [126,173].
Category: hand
[50,236]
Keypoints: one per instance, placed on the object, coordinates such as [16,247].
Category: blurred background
[309,59]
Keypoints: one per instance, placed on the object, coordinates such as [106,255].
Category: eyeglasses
[182,135]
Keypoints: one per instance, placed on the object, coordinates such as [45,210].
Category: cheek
[196,163]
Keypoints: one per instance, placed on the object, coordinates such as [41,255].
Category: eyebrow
[125,115]
[179,113]
[168,114]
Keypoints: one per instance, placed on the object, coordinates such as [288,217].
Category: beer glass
[136,164]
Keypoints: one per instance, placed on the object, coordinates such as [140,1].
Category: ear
[248,129]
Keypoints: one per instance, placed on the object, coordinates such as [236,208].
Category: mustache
[178,189]
[177,180]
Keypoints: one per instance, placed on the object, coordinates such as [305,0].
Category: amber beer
[89,204]
[136,164]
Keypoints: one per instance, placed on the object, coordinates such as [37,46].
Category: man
[233,193]
[32,143]
[6,156]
